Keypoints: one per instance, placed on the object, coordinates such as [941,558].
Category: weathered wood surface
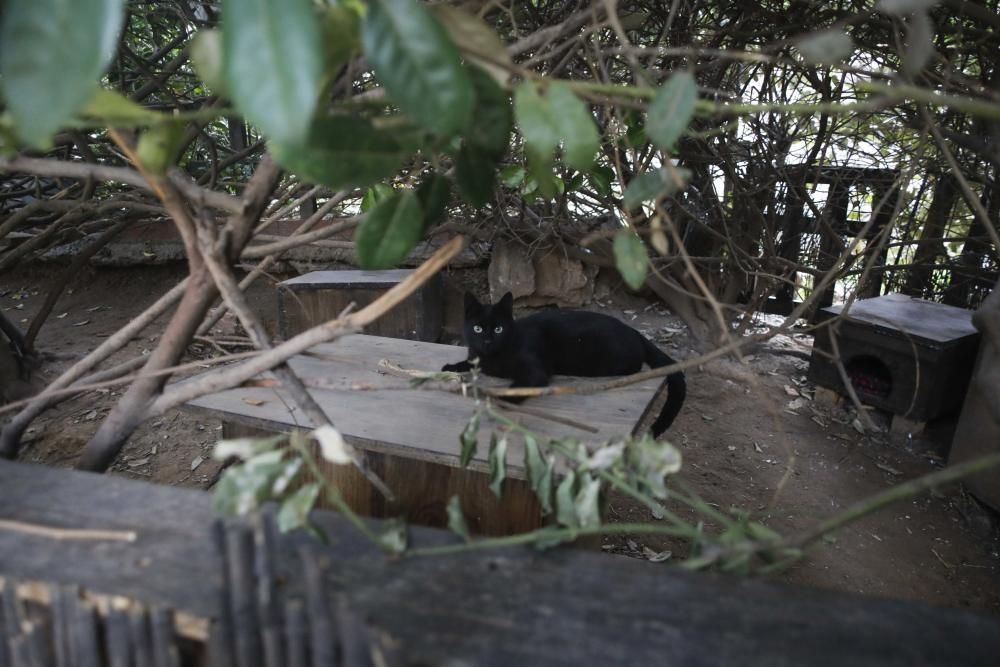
[321,296]
[380,413]
[517,607]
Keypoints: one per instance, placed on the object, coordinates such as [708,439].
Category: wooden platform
[516,607]
[410,437]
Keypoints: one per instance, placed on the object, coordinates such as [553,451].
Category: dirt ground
[751,434]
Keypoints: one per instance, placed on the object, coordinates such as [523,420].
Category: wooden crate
[907,356]
[321,296]
[410,438]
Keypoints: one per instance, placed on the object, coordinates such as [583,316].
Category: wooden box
[907,356]
[321,296]
[410,437]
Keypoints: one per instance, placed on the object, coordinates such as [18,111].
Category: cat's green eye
[477,329]
[498,330]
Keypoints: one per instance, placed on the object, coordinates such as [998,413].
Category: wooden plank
[379,413]
[347,278]
[516,607]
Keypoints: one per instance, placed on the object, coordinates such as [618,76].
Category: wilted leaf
[631,259]
[287,476]
[656,556]
[539,473]
[393,539]
[566,502]
[341,151]
[671,110]
[657,237]
[273,64]
[244,487]
[332,445]
[206,56]
[52,53]
[471,33]
[498,464]
[456,519]
[652,461]
[418,64]
[295,510]
[469,440]
[827,47]
[588,512]
[605,457]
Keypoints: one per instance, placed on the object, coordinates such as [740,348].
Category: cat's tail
[676,387]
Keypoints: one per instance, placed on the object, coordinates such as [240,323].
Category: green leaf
[51,55]
[566,502]
[418,64]
[539,473]
[206,56]
[434,193]
[389,232]
[244,487]
[492,120]
[341,151]
[375,194]
[340,26]
[513,176]
[468,31]
[918,47]
[475,174]
[587,504]
[115,110]
[600,178]
[540,169]
[273,64]
[469,440]
[541,134]
[653,184]
[498,464]
[579,134]
[159,147]
[295,510]
[671,110]
[630,258]
[456,519]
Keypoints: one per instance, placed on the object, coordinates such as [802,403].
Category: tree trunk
[919,281]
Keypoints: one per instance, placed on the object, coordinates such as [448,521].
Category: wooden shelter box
[321,296]
[907,356]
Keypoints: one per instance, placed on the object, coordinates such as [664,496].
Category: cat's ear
[505,306]
[472,305]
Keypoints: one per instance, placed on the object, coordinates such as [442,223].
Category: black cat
[561,342]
